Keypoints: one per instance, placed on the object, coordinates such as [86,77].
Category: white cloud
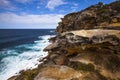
[54,3]
[75,4]
[6,4]
[74,7]
[28,19]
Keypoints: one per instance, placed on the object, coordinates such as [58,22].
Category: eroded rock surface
[96,53]
[57,73]
[87,47]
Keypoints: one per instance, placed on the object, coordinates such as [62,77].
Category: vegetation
[96,16]
[82,67]
[28,74]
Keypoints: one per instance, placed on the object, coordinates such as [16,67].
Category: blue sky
[36,14]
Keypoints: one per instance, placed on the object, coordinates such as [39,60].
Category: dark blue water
[13,37]
[21,49]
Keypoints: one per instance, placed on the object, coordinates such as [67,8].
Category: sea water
[21,49]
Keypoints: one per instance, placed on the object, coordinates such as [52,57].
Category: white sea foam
[46,37]
[25,60]
[52,31]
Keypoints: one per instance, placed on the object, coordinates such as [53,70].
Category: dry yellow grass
[115,24]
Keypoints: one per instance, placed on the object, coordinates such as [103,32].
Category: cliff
[86,48]
[94,17]
[94,55]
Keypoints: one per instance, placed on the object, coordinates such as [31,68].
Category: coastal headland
[86,47]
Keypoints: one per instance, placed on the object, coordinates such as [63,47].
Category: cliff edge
[87,47]
[99,16]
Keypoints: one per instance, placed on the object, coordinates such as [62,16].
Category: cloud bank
[28,19]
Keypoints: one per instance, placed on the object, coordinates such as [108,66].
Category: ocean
[21,49]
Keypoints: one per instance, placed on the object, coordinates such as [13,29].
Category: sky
[39,14]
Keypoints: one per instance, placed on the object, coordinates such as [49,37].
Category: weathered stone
[94,17]
[57,73]
[52,39]
[60,60]
[51,46]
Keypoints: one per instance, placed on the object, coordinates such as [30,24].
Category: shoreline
[23,60]
[57,61]
[86,47]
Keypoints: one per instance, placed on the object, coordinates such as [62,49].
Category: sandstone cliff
[94,55]
[86,48]
[94,17]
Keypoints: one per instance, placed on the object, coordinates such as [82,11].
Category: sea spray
[23,57]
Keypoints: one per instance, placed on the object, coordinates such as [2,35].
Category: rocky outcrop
[74,56]
[57,72]
[96,57]
[97,16]
[80,51]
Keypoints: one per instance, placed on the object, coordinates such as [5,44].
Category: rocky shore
[87,47]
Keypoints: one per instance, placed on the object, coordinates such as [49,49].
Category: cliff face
[92,53]
[94,17]
[79,55]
